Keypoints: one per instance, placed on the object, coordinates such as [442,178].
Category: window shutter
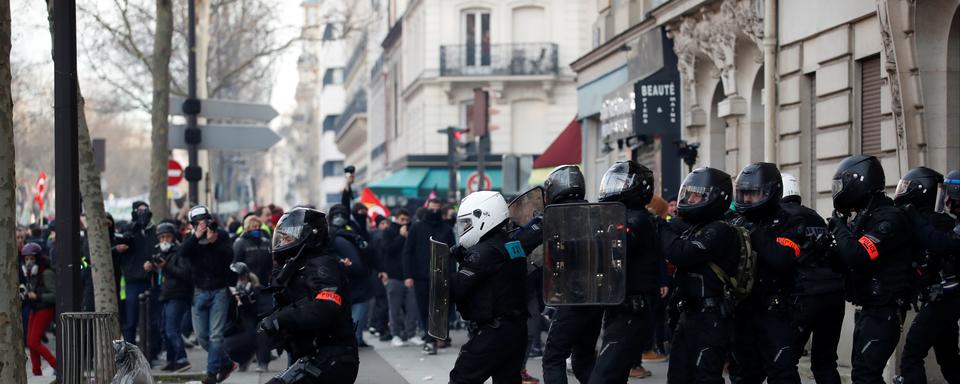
[870,106]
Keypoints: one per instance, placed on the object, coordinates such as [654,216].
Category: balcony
[521,59]
[358,52]
[357,107]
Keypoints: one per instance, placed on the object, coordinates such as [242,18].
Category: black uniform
[766,332]
[702,337]
[628,328]
[818,295]
[708,247]
[936,323]
[488,290]
[312,321]
[878,253]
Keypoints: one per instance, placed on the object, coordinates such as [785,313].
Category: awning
[565,149]
[404,182]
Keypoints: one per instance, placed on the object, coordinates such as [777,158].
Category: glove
[836,220]
[913,215]
[458,252]
[269,326]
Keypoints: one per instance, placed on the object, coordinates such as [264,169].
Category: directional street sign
[226,109]
[227,137]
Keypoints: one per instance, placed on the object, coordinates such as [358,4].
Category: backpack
[738,287]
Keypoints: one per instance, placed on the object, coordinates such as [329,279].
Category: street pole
[452,164]
[481,142]
[770,81]
[191,109]
[66,167]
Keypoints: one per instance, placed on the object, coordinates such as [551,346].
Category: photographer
[39,291]
[252,249]
[358,216]
[176,290]
[242,339]
[209,251]
[135,247]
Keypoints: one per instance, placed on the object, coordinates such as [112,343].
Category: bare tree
[12,360]
[101,263]
[160,150]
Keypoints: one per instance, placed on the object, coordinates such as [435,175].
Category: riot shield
[584,254]
[438,313]
[522,209]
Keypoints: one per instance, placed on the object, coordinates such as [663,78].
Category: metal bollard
[144,324]
[88,356]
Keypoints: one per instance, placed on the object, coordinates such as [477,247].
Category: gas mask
[30,268]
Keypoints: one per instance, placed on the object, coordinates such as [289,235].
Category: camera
[22,289]
[350,169]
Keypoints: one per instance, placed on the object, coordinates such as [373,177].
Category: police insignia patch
[515,250]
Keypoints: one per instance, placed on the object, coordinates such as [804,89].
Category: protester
[401,299]
[349,246]
[242,341]
[135,248]
[379,311]
[416,261]
[39,291]
[252,249]
[176,290]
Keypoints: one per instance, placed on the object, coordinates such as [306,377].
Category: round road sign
[174,173]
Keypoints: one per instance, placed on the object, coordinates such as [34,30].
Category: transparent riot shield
[522,209]
[438,313]
[584,254]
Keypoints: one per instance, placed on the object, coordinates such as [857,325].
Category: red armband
[329,296]
[869,245]
[790,244]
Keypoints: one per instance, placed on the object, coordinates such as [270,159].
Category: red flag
[39,189]
[431,196]
[374,206]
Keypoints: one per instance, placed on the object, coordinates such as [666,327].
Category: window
[870,83]
[333,198]
[329,123]
[333,168]
[477,38]
[330,32]
[333,76]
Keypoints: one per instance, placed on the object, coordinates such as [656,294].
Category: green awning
[404,182]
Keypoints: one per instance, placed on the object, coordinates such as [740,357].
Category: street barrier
[87,349]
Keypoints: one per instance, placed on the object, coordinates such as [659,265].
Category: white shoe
[416,340]
[396,342]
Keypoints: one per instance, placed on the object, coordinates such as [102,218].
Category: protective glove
[458,252]
[269,326]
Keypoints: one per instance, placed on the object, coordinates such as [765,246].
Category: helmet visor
[464,225]
[693,195]
[837,186]
[289,230]
[948,195]
[750,194]
[902,188]
[614,183]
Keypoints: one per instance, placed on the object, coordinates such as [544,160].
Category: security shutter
[870,83]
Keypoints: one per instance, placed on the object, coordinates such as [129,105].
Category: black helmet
[564,183]
[948,197]
[240,268]
[759,189]
[297,229]
[857,178]
[704,195]
[919,187]
[627,182]
[166,228]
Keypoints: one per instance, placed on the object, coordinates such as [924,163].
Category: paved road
[385,363]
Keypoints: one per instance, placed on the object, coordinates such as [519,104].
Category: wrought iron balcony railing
[520,59]
[358,104]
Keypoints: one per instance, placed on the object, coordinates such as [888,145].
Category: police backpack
[738,287]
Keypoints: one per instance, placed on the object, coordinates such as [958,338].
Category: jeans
[210,321]
[131,309]
[404,314]
[359,313]
[173,311]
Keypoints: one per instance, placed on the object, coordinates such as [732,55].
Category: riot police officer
[936,323]
[871,241]
[312,320]
[818,288]
[701,340]
[488,290]
[574,329]
[630,325]
[765,330]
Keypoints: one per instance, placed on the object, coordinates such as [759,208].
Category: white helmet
[480,212]
[791,185]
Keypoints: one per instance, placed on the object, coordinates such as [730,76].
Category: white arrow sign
[226,109]
[227,137]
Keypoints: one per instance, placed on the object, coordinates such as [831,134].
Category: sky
[31,42]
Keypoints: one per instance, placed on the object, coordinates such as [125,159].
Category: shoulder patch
[515,250]
[885,228]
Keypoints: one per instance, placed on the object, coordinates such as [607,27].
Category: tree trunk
[160,152]
[12,367]
[98,240]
